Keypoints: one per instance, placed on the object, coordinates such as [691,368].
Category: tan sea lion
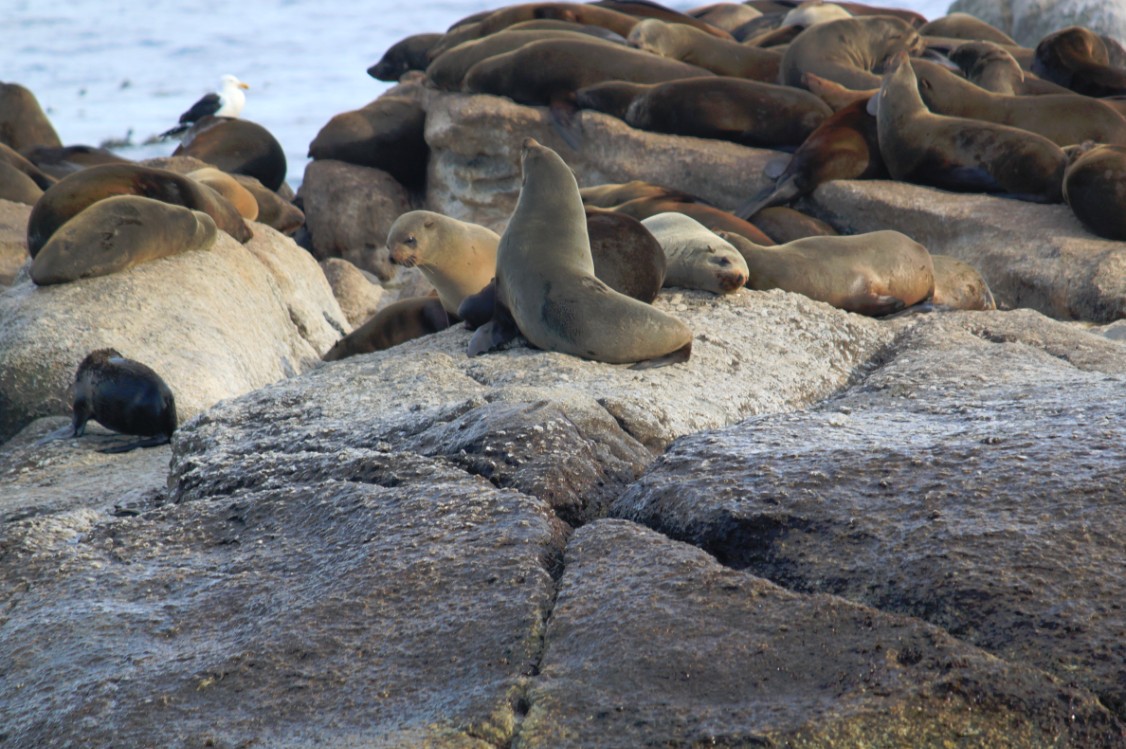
[118,233]
[873,274]
[1094,185]
[237,146]
[965,26]
[396,323]
[123,395]
[726,16]
[783,224]
[17,161]
[1077,58]
[958,285]
[273,209]
[697,257]
[230,188]
[458,258]
[545,283]
[751,113]
[647,9]
[711,217]
[844,146]
[696,47]
[74,193]
[1064,119]
[957,153]
[411,53]
[615,194]
[813,12]
[385,134]
[23,123]
[16,186]
[851,51]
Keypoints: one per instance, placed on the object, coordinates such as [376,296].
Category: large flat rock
[973,481]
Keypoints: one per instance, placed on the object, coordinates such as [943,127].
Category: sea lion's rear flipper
[565,120]
[497,332]
[159,439]
[61,433]
[477,309]
[676,357]
[783,191]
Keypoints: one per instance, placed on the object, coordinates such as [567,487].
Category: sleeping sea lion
[396,323]
[697,257]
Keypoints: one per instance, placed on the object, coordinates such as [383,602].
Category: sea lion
[581,13]
[1077,58]
[783,224]
[690,45]
[873,274]
[1064,119]
[844,146]
[726,16]
[123,395]
[910,17]
[965,26]
[75,193]
[60,161]
[958,285]
[711,217]
[1094,185]
[697,257]
[626,255]
[545,283]
[851,51]
[237,146]
[813,12]
[458,258]
[230,188]
[23,124]
[396,323]
[614,194]
[16,186]
[118,233]
[646,9]
[957,153]
[385,134]
[273,210]
[17,161]
[412,53]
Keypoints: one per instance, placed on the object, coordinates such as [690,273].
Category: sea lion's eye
[410,240]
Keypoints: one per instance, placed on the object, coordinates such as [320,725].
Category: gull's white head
[231,96]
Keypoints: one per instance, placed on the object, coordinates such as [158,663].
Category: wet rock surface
[973,481]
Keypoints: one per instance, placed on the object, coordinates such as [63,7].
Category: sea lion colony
[842,91]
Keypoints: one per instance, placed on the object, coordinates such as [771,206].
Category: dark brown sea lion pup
[385,134]
[117,233]
[396,323]
[545,283]
[411,53]
[957,153]
[679,42]
[627,257]
[73,194]
[845,146]
[1094,185]
[852,51]
[1077,58]
[237,146]
[23,124]
[123,395]
[873,274]
[751,113]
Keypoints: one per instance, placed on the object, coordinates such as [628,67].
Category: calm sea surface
[106,69]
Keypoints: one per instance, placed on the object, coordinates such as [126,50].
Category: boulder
[13,240]
[213,324]
[1031,255]
[348,211]
[358,296]
[972,481]
[1029,21]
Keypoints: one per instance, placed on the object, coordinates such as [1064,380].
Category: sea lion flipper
[565,121]
[61,433]
[495,333]
[477,309]
[159,439]
[771,195]
[675,357]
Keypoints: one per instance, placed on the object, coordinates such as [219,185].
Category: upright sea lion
[965,26]
[118,233]
[873,274]
[845,146]
[1094,185]
[237,146]
[230,188]
[1064,119]
[23,124]
[690,45]
[851,51]
[123,395]
[458,258]
[73,194]
[1077,58]
[396,323]
[697,257]
[958,285]
[545,283]
[412,53]
[957,153]
[385,134]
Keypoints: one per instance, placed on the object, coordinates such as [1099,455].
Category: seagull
[227,103]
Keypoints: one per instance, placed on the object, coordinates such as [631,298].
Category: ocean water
[111,70]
